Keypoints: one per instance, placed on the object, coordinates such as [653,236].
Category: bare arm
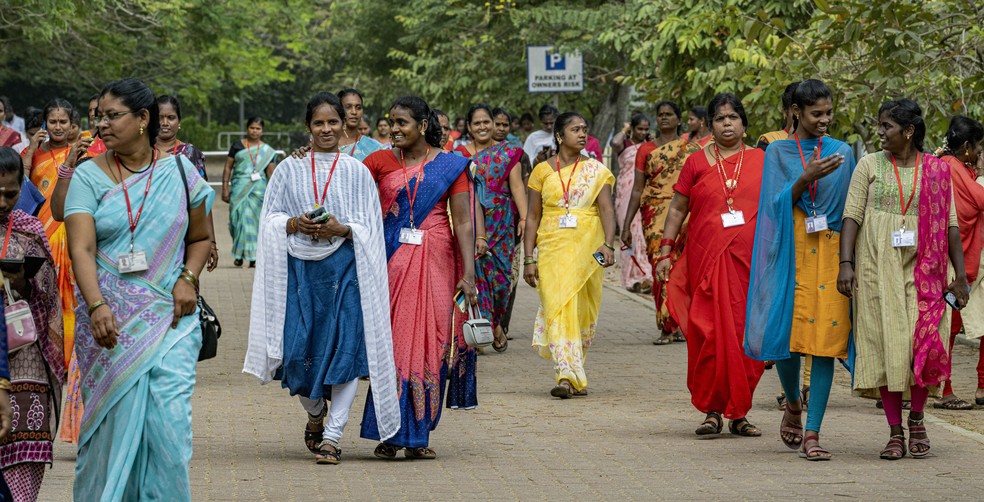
[679,208]
[517,189]
[226,178]
[606,210]
[465,234]
[269,169]
[847,283]
[530,272]
[959,286]
[81,231]
[634,200]
[481,232]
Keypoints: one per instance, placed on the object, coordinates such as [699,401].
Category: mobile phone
[318,215]
[600,258]
[44,127]
[951,299]
[459,300]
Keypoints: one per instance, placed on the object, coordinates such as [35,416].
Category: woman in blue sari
[244,180]
[353,142]
[137,340]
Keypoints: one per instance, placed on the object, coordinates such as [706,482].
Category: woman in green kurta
[244,180]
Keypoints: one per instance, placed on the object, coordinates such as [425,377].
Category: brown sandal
[816,452]
[895,449]
[424,453]
[386,451]
[918,447]
[563,390]
[787,429]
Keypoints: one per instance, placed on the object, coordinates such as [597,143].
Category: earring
[560,141]
[141,130]
[908,136]
[744,135]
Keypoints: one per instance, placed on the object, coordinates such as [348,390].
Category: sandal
[326,456]
[424,453]
[712,425]
[563,390]
[663,340]
[580,393]
[386,451]
[918,447]
[895,449]
[805,397]
[781,401]
[678,336]
[791,434]
[816,452]
[312,437]
[953,404]
[742,427]
[500,343]
[237,263]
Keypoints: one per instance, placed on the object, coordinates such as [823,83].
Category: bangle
[348,235]
[667,242]
[482,237]
[529,261]
[847,261]
[65,172]
[466,282]
[5,385]
[94,306]
[664,257]
[609,246]
[190,277]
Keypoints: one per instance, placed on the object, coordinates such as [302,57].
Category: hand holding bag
[21,330]
[477,330]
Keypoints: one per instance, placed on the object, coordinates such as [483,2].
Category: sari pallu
[715,272]
[570,279]
[135,440]
[246,199]
[635,268]
[364,147]
[422,283]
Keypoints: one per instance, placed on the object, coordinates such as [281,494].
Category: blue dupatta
[769,314]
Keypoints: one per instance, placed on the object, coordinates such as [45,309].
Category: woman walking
[571,226]
[719,189]
[244,179]
[899,228]
[636,271]
[353,142]
[138,340]
[793,309]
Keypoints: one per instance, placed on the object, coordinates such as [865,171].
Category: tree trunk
[610,115]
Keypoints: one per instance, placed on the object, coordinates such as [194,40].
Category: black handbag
[211,329]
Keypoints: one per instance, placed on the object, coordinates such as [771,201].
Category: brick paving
[631,439]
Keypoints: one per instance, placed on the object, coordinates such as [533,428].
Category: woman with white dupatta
[320,308]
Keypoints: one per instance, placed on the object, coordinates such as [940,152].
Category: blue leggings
[820,381]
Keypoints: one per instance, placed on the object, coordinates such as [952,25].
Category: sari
[5,382]
[771,137]
[44,175]
[246,196]
[635,268]
[661,170]
[193,154]
[570,278]
[793,302]
[714,272]
[135,440]
[9,137]
[900,331]
[362,148]
[37,371]
[422,283]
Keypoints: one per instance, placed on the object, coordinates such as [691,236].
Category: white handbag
[476,330]
[21,330]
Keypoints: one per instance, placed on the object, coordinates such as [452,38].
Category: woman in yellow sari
[571,223]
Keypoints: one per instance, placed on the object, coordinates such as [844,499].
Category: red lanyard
[413,198]
[355,145]
[915,182]
[729,185]
[126,195]
[567,188]
[6,240]
[314,180]
[813,186]
[174,151]
[250,152]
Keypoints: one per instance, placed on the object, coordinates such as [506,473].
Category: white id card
[568,221]
[903,238]
[255,176]
[816,223]
[132,262]
[412,236]
[733,219]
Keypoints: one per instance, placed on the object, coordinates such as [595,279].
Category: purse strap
[6,286]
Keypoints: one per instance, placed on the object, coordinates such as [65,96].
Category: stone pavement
[631,439]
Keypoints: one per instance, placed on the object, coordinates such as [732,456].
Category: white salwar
[353,199]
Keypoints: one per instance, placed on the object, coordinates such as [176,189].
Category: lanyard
[355,145]
[915,182]
[174,151]
[729,185]
[314,180]
[250,152]
[567,188]
[813,186]
[126,195]
[6,240]
[413,198]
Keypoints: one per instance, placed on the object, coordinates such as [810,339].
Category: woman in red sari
[719,188]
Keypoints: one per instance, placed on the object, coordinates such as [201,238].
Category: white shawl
[353,199]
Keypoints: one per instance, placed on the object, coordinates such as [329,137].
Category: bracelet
[609,246]
[667,242]
[292,222]
[466,282]
[190,280]
[847,261]
[190,277]
[5,385]
[664,257]
[65,172]
[94,306]
[484,238]
[529,261]
[348,235]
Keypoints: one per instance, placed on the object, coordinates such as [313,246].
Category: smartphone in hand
[600,258]
[318,215]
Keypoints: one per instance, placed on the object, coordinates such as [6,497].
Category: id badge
[816,223]
[568,221]
[733,219]
[412,236]
[132,262]
[255,176]
[903,238]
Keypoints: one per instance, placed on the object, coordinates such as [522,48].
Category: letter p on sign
[556,61]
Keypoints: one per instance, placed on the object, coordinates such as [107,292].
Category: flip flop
[663,340]
[953,404]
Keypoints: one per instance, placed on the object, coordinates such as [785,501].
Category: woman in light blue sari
[249,165]
[137,340]
[353,143]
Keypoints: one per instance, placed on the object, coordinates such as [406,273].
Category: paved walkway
[631,439]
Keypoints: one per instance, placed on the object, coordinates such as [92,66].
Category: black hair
[254,120]
[547,110]
[323,98]
[420,112]
[137,97]
[906,112]
[380,119]
[459,119]
[562,121]
[963,130]
[10,162]
[501,111]
[33,118]
[638,118]
[526,116]
[74,118]
[94,97]
[787,95]
[699,112]
[440,113]
[170,100]
[475,108]
[347,91]
[725,98]
[6,103]
[674,106]
[55,104]
[809,92]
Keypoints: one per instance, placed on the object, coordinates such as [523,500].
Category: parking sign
[551,71]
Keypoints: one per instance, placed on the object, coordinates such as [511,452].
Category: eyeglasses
[110,116]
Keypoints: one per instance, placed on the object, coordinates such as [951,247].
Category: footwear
[895,449]
[500,343]
[386,451]
[646,287]
[953,404]
[678,336]
[252,264]
[328,453]
[238,262]
[781,400]
[420,453]
[816,452]
[563,390]
[918,447]
[742,427]
[805,397]
[663,340]
[791,434]
[580,393]
[314,430]
[712,425]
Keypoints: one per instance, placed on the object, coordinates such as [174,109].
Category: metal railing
[224,139]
